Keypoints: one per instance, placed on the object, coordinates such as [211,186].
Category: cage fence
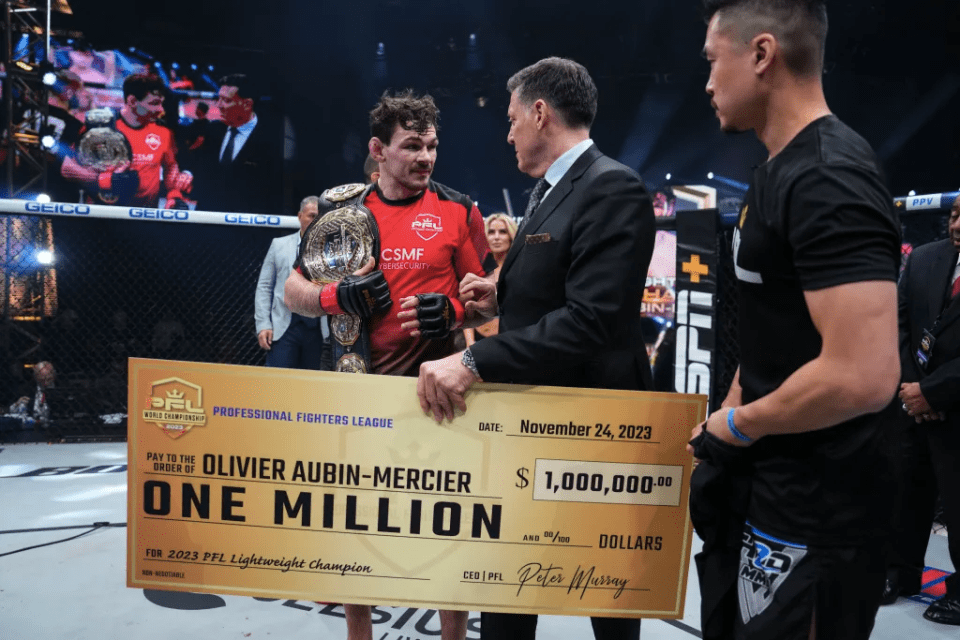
[88,293]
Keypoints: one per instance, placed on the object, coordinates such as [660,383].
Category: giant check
[336,487]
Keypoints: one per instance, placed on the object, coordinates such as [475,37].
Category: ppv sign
[924,202]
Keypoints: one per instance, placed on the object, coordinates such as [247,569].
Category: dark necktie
[536,196]
[227,156]
[955,290]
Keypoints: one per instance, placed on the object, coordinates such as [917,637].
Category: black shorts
[781,584]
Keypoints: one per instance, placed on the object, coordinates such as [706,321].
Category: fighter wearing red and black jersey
[153,150]
[428,243]
[153,159]
[430,238]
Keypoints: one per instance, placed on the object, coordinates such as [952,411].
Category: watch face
[468,361]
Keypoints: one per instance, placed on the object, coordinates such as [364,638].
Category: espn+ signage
[696,301]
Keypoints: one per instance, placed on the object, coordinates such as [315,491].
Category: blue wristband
[739,435]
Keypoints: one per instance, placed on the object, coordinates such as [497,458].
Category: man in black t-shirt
[816,252]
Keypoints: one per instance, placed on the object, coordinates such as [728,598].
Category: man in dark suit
[928,438]
[239,168]
[570,287]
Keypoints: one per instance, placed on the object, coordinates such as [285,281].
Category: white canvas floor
[75,590]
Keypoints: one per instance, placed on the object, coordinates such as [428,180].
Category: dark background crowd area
[891,74]
[148,290]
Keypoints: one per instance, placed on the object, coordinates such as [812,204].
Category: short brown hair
[411,112]
[563,84]
[244,84]
[140,85]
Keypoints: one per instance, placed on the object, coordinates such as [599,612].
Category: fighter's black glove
[357,295]
[438,315]
[177,203]
[122,185]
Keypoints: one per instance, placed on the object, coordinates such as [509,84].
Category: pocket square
[539,238]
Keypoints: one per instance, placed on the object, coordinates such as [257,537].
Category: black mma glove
[357,295]
[121,184]
[438,315]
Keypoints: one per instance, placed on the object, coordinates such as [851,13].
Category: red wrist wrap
[459,311]
[328,300]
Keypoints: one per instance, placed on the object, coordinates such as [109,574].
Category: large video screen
[659,296]
[131,130]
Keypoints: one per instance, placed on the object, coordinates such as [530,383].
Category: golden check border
[244,371]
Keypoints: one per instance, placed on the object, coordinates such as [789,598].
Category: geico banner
[336,487]
[31,207]
[696,300]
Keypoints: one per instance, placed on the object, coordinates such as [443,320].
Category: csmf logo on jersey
[153,141]
[427,225]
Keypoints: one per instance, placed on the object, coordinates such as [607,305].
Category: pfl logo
[153,141]
[176,406]
[427,226]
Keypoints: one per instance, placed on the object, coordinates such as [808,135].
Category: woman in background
[501,230]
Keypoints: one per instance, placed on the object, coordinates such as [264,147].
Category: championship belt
[338,242]
[102,147]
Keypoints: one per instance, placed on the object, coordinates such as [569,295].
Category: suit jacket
[252,183]
[922,294]
[571,285]
[269,310]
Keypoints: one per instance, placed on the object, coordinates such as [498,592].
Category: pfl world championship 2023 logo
[176,406]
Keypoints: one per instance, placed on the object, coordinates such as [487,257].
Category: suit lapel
[244,152]
[211,147]
[940,269]
[946,264]
[950,314]
[551,203]
[293,247]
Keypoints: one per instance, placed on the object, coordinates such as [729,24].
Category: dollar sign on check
[522,474]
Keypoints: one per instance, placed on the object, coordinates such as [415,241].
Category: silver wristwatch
[468,361]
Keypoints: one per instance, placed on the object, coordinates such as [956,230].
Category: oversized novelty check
[336,487]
